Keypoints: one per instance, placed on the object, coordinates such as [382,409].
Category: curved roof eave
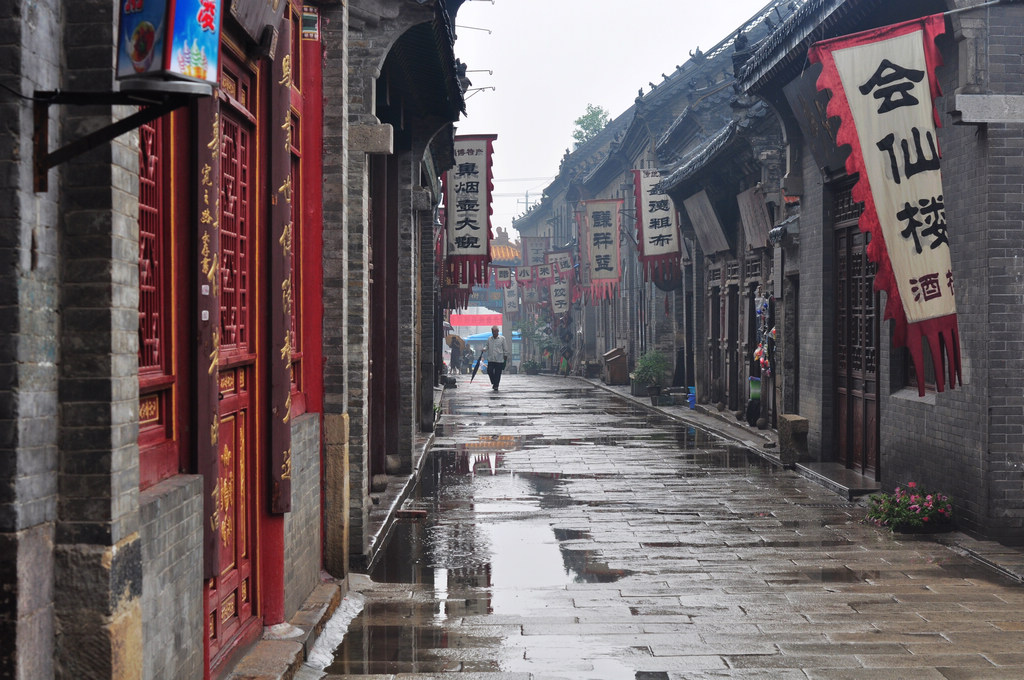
[701,156]
[789,41]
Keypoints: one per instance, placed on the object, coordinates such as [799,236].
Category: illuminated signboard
[177,39]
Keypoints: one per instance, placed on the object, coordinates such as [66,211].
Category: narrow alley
[559,531]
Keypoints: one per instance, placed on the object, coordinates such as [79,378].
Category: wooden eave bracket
[155,104]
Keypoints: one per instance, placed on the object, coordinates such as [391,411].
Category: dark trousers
[494,369]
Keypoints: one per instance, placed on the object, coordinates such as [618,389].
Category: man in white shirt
[497,355]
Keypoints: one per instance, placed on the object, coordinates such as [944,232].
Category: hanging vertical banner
[531,297]
[280,254]
[883,87]
[535,250]
[601,220]
[502,277]
[468,188]
[456,296]
[545,274]
[657,224]
[561,260]
[511,294]
[524,275]
[206,143]
[559,292]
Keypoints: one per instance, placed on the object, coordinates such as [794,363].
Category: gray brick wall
[1005,274]
[408,290]
[966,442]
[171,534]
[944,447]
[28,348]
[369,43]
[302,524]
[97,547]
[815,402]
[335,278]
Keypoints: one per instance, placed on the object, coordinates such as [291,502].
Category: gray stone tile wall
[171,534]
[302,524]
[815,284]
[28,347]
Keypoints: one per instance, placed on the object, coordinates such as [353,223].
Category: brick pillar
[28,353]
[408,287]
[426,312]
[98,552]
[335,288]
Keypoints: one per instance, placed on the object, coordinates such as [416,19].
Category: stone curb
[279,659]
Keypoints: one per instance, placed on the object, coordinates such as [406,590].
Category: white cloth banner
[559,297]
[468,209]
[602,219]
[511,298]
[883,87]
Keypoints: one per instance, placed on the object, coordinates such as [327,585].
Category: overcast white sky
[550,58]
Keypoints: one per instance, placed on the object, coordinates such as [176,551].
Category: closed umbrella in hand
[476,366]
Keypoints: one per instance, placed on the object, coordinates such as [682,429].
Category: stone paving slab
[601,540]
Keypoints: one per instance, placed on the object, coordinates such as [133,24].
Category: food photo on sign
[169,40]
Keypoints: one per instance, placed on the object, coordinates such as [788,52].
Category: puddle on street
[491,536]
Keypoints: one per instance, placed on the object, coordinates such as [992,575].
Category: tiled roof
[504,254]
[699,158]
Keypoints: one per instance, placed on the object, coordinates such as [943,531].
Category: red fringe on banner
[943,335]
[471,269]
[655,262]
[454,297]
[603,290]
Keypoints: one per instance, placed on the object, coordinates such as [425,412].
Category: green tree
[590,123]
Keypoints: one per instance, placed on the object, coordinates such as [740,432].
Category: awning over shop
[462,320]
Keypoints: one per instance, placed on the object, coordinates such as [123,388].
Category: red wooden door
[856,337]
[230,594]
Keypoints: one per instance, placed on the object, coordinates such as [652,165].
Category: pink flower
[912,484]
[925,518]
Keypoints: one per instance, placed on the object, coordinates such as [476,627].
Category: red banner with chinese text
[467,188]
[601,222]
[883,88]
[657,226]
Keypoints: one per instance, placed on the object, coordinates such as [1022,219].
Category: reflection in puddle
[495,538]
[479,532]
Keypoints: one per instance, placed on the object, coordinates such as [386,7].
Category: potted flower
[530,367]
[910,509]
[651,370]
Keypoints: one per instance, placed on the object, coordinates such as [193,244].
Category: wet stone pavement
[558,531]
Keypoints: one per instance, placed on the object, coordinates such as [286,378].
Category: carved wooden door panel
[230,594]
[856,338]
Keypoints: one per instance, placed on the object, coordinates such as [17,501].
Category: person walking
[497,355]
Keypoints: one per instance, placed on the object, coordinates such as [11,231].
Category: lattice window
[754,268]
[732,270]
[235,232]
[153,254]
[844,207]
[158,450]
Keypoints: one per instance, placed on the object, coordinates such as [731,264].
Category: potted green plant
[910,509]
[530,367]
[651,370]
